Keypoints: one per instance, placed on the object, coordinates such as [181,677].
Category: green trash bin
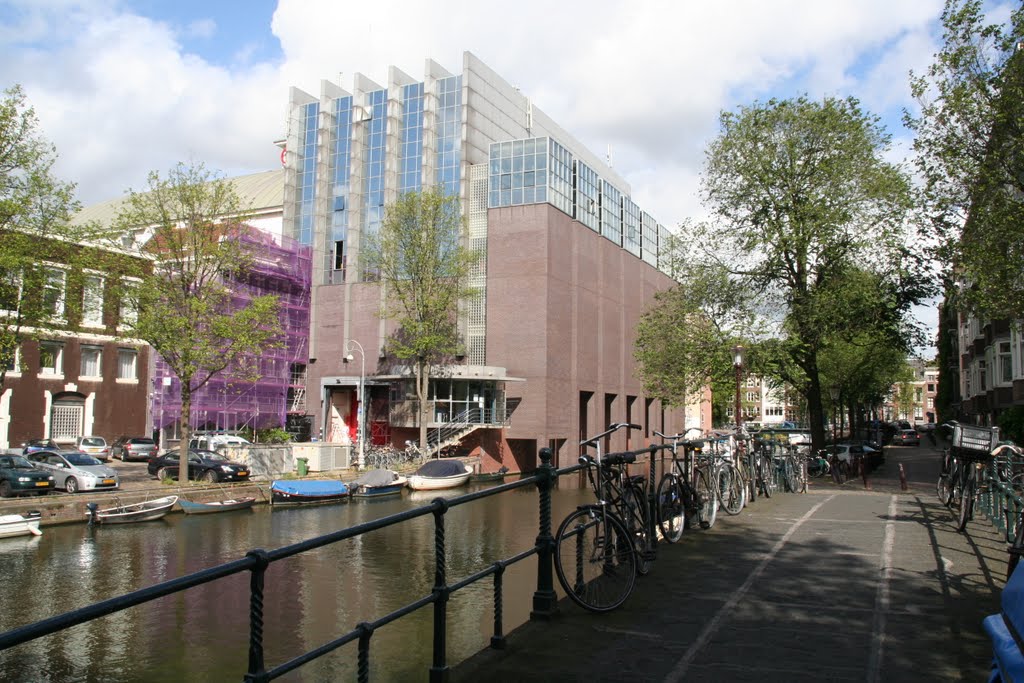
[302,466]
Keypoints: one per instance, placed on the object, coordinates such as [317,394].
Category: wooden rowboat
[308,492]
[440,474]
[192,508]
[146,511]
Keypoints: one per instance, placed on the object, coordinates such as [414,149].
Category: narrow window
[127,360]
[51,358]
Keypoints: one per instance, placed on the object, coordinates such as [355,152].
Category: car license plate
[42,483]
[243,473]
[108,481]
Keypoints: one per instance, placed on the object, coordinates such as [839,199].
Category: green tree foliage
[35,227]
[969,152]
[685,339]
[812,222]
[184,307]
[421,257]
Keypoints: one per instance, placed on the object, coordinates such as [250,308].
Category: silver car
[75,471]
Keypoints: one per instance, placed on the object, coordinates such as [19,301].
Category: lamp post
[360,414]
[737,363]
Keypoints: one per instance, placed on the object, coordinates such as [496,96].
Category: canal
[203,633]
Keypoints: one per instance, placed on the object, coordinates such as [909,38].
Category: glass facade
[449,133]
[340,170]
[648,238]
[611,212]
[374,163]
[630,226]
[410,154]
[561,178]
[588,201]
[306,162]
[518,172]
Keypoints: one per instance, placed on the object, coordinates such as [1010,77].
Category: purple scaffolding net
[280,266]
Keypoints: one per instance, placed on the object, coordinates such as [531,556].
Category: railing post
[652,524]
[498,639]
[363,663]
[439,669]
[545,602]
[256,672]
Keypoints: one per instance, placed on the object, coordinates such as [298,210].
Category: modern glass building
[568,252]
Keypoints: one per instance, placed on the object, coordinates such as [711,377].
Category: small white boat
[377,484]
[20,525]
[440,474]
[145,511]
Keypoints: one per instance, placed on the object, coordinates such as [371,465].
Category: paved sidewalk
[837,584]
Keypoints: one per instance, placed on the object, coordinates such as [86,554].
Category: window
[10,290]
[51,358]
[14,366]
[91,356]
[127,362]
[752,397]
[127,313]
[1005,363]
[53,292]
[92,301]
[931,388]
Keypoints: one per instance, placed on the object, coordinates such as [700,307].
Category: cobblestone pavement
[842,583]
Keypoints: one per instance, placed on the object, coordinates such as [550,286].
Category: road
[842,583]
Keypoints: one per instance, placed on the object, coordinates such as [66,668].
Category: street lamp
[360,419]
[737,363]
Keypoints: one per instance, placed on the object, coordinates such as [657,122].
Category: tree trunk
[186,435]
[422,382]
[815,413]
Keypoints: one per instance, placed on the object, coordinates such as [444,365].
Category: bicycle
[676,497]
[729,487]
[600,548]
[818,465]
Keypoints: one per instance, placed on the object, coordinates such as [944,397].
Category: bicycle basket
[974,443]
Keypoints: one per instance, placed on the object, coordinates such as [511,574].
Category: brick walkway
[839,584]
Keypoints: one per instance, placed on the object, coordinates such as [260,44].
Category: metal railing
[257,561]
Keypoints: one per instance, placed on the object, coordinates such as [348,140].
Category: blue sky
[123,87]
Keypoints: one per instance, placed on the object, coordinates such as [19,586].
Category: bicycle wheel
[594,559]
[789,474]
[750,479]
[671,509]
[636,505]
[943,490]
[966,501]
[766,476]
[731,489]
[707,501]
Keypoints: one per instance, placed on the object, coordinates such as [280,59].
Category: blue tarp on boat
[314,487]
[441,468]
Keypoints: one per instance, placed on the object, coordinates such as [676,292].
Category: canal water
[203,634]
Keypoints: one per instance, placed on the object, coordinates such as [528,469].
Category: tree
[185,308]
[421,258]
[35,226]
[809,218]
[968,144]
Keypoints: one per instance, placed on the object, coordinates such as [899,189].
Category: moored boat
[440,474]
[377,483]
[20,525]
[146,511]
[498,475]
[193,508]
[308,492]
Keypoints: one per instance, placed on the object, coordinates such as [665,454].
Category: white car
[75,471]
[846,451]
[96,446]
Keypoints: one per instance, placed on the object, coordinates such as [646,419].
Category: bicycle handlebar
[611,428]
[610,459]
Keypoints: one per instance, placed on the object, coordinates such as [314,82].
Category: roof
[259,192]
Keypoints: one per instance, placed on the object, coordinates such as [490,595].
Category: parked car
[19,477]
[96,446]
[33,445]
[133,448]
[75,471]
[846,452]
[202,465]
[215,442]
[907,437]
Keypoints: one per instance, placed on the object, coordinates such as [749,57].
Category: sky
[124,87]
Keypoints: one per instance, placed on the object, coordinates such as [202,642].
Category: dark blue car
[19,477]
[34,445]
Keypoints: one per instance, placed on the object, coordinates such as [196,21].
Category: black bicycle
[600,548]
[684,490]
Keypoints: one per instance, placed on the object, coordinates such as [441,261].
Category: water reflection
[203,634]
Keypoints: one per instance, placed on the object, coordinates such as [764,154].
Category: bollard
[863,472]
[903,478]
